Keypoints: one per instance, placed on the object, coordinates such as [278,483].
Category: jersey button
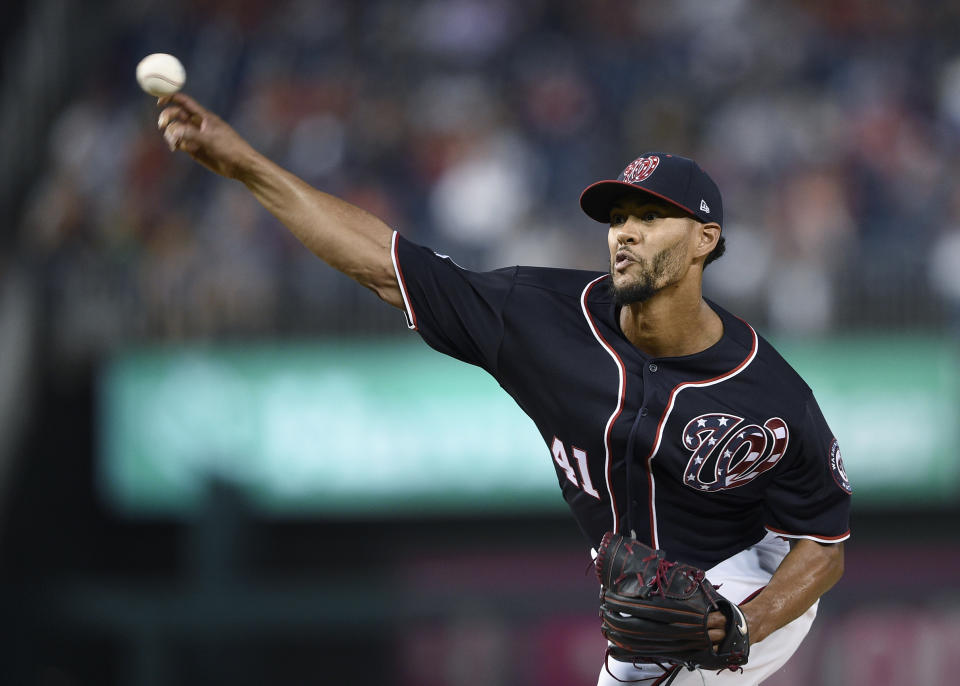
[643,412]
[653,367]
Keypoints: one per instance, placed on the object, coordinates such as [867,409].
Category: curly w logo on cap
[640,169]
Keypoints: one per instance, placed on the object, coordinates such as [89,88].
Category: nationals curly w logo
[726,454]
[640,169]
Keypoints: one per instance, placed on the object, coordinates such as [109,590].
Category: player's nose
[628,232]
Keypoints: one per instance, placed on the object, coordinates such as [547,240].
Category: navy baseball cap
[678,180]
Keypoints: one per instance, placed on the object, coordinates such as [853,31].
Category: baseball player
[667,418]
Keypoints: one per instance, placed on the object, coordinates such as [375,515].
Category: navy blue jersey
[698,455]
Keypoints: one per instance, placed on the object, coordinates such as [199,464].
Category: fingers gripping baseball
[209,140]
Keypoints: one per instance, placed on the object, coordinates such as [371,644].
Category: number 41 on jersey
[560,457]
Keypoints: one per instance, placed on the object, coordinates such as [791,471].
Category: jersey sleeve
[811,498]
[457,311]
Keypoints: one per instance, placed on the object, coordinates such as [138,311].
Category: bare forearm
[808,571]
[346,237]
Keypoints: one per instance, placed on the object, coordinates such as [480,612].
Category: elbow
[839,562]
[391,295]
[386,288]
[380,279]
[824,562]
[834,563]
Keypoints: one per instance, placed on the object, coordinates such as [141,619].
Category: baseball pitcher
[695,460]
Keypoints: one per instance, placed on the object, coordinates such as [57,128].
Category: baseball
[161,74]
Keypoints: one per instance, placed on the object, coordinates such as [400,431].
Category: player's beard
[654,275]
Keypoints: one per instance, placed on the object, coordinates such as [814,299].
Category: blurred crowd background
[471,126]
[833,130]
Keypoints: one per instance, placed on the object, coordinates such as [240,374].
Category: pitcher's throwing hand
[204,136]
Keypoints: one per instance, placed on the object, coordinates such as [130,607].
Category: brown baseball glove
[654,610]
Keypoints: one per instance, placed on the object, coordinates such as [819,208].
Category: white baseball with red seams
[161,74]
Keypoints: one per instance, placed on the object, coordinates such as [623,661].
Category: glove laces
[661,577]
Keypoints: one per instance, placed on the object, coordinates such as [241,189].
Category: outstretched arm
[344,236]
[808,571]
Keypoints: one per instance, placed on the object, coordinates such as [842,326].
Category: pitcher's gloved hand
[655,610]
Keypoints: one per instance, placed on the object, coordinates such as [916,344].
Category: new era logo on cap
[677,180]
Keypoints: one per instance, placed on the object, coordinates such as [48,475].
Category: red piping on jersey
[412,316]
[654,538]
[823,539]
[621,371]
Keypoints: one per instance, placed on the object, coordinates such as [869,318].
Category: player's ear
[707,237]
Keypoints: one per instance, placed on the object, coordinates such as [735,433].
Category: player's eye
[617,218]
[650,215]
